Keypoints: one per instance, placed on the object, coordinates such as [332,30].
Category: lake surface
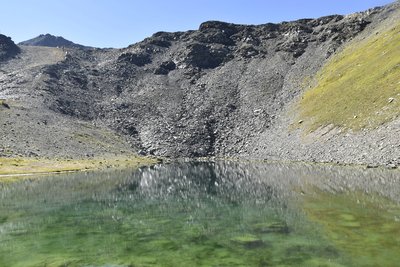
[204,214]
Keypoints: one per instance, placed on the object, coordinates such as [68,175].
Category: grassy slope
[358,88]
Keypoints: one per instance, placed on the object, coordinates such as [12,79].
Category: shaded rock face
[197,93]
[51,41]
[8,48]
[205,56]
[165,67]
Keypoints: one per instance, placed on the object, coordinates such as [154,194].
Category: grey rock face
[8,48]
[197,93]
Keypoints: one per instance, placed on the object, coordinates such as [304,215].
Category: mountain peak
[51,41]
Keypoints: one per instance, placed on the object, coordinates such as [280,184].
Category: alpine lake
[221,213]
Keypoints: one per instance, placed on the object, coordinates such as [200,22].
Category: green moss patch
[358,88]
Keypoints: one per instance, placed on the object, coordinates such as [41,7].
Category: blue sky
[118,23]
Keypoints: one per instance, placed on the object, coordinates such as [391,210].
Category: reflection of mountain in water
[262,181]
[229,181]
[233,181]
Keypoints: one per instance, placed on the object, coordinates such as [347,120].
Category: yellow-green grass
[22,166]
[358,88]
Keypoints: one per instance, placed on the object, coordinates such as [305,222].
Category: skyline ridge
[103,24]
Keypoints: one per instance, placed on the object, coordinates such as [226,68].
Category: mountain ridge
[51,41]
[224,90]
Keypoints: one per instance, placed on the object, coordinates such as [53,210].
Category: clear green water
[203,214]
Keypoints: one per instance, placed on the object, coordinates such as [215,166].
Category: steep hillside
[29,128]
[196,93]
[51,41]
[326,123]
[360,87]
[221,90]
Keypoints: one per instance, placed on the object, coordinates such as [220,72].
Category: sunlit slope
[358,88]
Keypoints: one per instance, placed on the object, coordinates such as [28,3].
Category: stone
[271,227]
[4,104]
[168,65]
[139,60]
[248,51]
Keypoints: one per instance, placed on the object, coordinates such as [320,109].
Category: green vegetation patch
[358,88]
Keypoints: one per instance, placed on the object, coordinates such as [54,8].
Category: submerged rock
[271,227]
[248,241]
[348,220]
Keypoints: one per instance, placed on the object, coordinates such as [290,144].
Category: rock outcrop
[8,48]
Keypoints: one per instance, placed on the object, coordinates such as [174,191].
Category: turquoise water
[203,214]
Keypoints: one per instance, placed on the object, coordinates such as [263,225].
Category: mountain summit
[51,41]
